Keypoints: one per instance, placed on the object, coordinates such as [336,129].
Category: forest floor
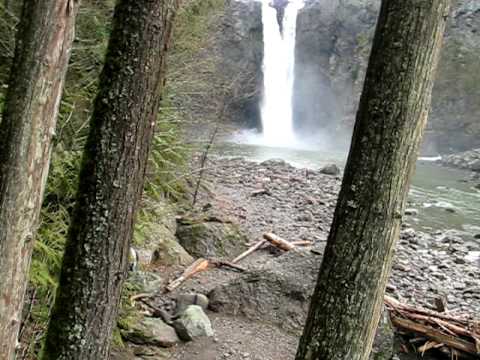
[259,313]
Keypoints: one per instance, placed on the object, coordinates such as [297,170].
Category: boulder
[330,169]
[151,331]
[193,323]
[183,301]
[211,238]
[156,244]
[280,294]
[169,252]
[145,281]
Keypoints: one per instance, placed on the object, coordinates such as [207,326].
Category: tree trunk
[347,302]
[111,182]
[42,52]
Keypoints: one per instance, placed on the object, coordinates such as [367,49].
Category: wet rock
[279,293]
[211,238]
[183,301]
[330,169]
[193,323]
[411,212]
[147,282]
[158,243]
[151,331]
[275,163]
[170,252]
[469,160]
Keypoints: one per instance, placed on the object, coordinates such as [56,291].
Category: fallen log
[435,335]
[198,266]
[278,242]
[459,335]
[397,305]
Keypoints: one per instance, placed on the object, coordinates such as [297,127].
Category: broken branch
[198,266]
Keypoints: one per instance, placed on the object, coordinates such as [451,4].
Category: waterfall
[278,72]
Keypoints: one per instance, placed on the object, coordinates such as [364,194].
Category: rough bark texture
[28,123]
[347,301]
[111,182]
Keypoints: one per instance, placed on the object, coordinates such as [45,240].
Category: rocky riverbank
[258,314]
[468,160]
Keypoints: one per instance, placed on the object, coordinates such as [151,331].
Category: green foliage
[167,168]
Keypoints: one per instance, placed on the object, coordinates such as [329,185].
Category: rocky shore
[258,314]
[468,160]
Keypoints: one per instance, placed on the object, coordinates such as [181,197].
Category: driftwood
[203,264]
[278,242]
[296,243]
[459,334]
[198,266]
[227,264]
[255,247]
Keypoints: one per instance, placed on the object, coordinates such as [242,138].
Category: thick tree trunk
[111,182]
[348,297]
[28,123]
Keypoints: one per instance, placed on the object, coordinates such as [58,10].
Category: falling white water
[278,72]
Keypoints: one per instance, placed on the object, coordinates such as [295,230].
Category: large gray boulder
[157,244]
[193,323]
[151,331]
[280,294]
[211,238]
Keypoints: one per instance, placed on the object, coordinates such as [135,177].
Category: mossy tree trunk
[37,77]
[348,298]
[111,182]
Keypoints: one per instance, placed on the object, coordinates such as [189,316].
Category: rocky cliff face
[333,45]
[241,44]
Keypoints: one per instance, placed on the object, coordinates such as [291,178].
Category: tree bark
[42,52]
[111,182]
[347,302]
